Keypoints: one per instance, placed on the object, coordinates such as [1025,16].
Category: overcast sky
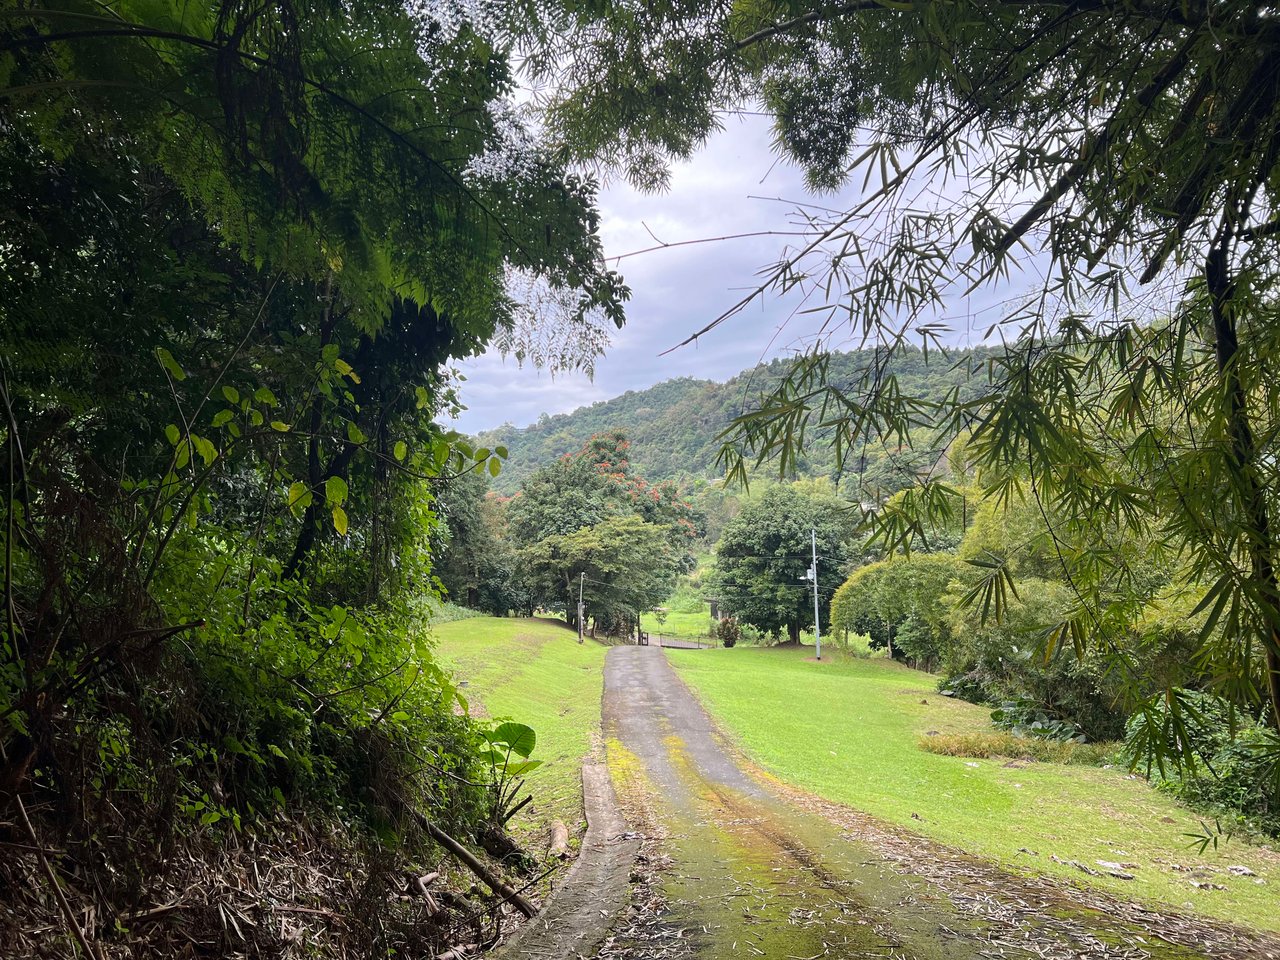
[723,190]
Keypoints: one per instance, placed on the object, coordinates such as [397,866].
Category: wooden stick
[63,905]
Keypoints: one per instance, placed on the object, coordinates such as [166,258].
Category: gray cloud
[678,290]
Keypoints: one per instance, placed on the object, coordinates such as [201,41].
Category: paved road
[753,876]
[677,643]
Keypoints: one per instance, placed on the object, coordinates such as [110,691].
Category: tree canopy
[1123,151]
[765,553]
[590,521]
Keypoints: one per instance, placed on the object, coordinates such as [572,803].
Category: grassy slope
[534,672]
[847,731]
[678,624]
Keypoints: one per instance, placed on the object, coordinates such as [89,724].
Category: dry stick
[476,914]
[491,880]
[63,905]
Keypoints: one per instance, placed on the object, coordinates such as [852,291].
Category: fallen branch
[559,841]
[67,914]
[491,880]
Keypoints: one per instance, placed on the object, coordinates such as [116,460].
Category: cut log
[559,841]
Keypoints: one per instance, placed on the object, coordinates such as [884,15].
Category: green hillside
[673,426]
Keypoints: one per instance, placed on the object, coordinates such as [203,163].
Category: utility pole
[581,580]
[817,630]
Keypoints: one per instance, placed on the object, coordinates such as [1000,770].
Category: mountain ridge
[673,425]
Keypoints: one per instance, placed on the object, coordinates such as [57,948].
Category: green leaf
[346,370]
[208,452]
[222,418]
[173,433]
[265,396]
[400,450]
[232,394]
[280,426]
[170,364]
[335,491]
[299,496]
[354,433]
[501,451]
[521,767]
[519,737]
[340,521]
[495,466]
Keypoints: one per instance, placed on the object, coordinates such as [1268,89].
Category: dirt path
[742,869]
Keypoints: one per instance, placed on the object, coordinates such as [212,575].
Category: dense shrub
[1231,764]
[986,745]
[1026,718]
[445,612]
[995,662]
[728,632]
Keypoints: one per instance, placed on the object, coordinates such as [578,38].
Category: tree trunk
[793,631]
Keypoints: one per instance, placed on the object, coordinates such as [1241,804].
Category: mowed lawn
[848,732]
[537,673]
[694,626]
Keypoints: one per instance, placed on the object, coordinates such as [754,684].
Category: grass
[692,626]
[535,672]
[848,730]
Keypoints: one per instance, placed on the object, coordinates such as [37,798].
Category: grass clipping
[986,745]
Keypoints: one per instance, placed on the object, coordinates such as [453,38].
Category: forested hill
[673,425]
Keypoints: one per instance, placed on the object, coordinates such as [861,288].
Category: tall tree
[765,553]
[569,515]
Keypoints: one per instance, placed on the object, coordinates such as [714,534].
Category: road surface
[744,871]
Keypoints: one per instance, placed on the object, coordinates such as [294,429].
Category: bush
[728,632]
[994,662]
[987,745]
[444,612]
[1233,762]
[964,686]
[1026,718]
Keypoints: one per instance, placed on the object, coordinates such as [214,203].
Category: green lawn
[692,625]
[537,673]
[847,730]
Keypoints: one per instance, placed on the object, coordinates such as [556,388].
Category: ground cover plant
[848,731]
[537,672]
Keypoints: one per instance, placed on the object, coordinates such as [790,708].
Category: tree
[625,566]
[765,553]
[901,603]
[239,246]
[475,560]
[1125,145]
[591,511]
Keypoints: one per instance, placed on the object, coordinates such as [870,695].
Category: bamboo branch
[469,860]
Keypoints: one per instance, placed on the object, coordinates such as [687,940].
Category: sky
[735,185]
